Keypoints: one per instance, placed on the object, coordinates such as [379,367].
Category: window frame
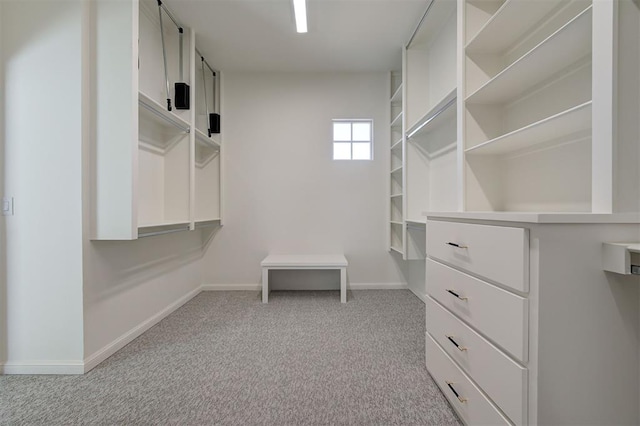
[352,121]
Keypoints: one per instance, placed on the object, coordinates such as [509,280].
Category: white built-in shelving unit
[396,180]
[530,94]
[156,171]
[430,142]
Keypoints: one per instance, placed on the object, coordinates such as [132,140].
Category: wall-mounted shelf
[396,195]
[513,20]
[555,127]
[397,121]
[163,121]
[397,250]
[621,258]
[561,49]
[397,144]
[395,222]
[207,223]
[152,229]
[397,95]
[396,170]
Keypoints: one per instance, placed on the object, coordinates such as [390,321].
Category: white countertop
[537,217]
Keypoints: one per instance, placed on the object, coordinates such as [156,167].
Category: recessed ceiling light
[300,10]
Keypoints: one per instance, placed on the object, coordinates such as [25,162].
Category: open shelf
[207,223]
[395,222]
[397,95]
[206,140]
[435,17]
[561,49]
[396,196]
[397,144]
[397,250]
[417,222]
[166,121]
[441,112]
[396,170]
[396,122]
[508,25]
[551,128]
[206,149]
[151,229]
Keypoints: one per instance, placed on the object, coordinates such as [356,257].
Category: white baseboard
[377,286]
[96,358]
[231,287]
[421,296]
[350,286]
[44,367]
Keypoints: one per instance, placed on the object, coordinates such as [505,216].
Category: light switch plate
[7,206]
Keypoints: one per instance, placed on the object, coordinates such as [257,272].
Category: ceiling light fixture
[300,10]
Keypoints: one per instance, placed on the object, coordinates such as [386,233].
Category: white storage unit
[557,352]
[155,171]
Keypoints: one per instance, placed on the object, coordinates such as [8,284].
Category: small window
[352,139]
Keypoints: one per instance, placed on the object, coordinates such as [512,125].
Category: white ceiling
[260,35]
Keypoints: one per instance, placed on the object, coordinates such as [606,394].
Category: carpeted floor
[225,358]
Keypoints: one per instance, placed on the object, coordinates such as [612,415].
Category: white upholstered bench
[311,262]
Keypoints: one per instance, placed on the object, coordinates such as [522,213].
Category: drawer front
[500,254]
[499,315]
[499,377]
[474,408]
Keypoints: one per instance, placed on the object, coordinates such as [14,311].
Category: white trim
[421,296]
[350,286]
[43,367]
[97,357]
[377,286]
[231,287]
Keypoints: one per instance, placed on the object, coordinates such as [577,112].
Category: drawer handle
[456,245]
[460,348]
[456,295]
[461,399]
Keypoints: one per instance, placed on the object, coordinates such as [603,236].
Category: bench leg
[343,285]
[265,285]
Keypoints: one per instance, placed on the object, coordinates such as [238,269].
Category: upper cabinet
[148,151]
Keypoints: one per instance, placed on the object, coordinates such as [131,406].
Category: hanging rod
[169,120]
[426,12]
[433,117]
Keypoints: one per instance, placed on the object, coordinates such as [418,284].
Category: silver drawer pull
[461,399]
[460,348]
[456,294]
[456,245]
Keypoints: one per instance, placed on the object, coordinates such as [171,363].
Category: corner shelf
[561,49]
[513,20]
[555,127]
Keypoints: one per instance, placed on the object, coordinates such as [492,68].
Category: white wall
[43,106]
[284,193]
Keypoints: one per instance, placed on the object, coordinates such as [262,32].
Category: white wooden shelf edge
[551,128]
[206,140]
[508,25]
[206,223]
[621,258]
[397,250]
[161,112]
[396,121]
[397,95]
[396,144]
[396,195]
[539,217]
[561,49]
[431,118]
[152,229]
[396,170]
[395,222]
[418,222]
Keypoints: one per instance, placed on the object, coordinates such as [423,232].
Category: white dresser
[524,326]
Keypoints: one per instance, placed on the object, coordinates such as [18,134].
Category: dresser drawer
[500,254]
[499,315]
[504,380]
[472,406]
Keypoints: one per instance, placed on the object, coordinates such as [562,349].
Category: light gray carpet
[225,358]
